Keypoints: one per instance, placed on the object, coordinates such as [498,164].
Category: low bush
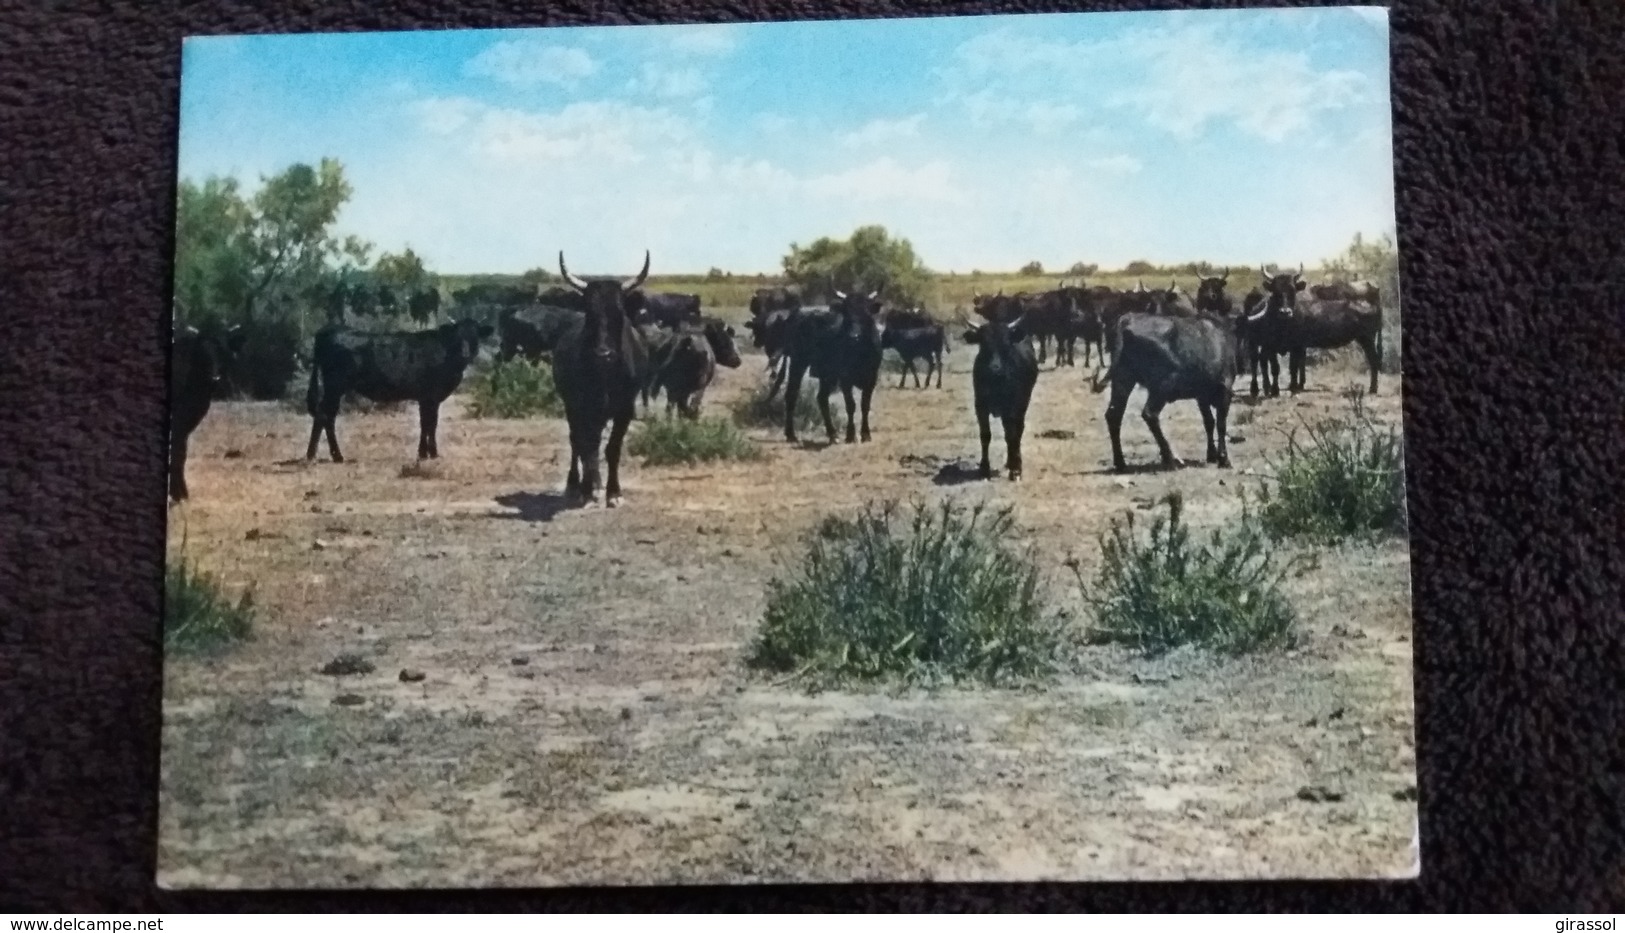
[937,593]
[666,441]
[1341,478]
[516,388]
[756,410]
[1171,589]
[198,615]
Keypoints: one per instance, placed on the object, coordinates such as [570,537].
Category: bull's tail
[946,346]
[1099,381]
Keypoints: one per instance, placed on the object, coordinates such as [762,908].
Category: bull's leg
[177,467]
[779,370]
[866,393]
[428,422]
[612,452]
[916,373]
[941,365]
[987,436]
[572,483]
[908,367]
[592,437]
[1043,344]
[1114,421]
[330,418]
[792,395]
[851,413]
[1373,359]
[825,388]
[694,403]
[1207,425]
[1298,375]
[1152,413]
[316,421]
[1013,426]
[1221,408]
[1252,363]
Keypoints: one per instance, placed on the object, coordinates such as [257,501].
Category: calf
[690,363]
[841,349]
[1003,376]
[423,366]
[911,343]
[196,371]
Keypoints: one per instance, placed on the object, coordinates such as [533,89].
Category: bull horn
[631,284]
[580,285]
[874,294]
[1263,308]
[975,293]
[839,295]
[1226,276]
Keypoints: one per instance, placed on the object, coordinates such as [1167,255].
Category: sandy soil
[586,718]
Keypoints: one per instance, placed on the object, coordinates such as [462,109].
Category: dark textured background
[1511,194]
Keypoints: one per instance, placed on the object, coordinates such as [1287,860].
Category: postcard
[948,449]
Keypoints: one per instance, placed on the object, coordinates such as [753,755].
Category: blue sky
[1239,136]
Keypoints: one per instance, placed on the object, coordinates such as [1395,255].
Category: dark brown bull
[198,362]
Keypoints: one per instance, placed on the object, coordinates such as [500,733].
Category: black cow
[767,300]
[840,347]
[906,317]
[533,332]
[911,343]
[1294,326]
[1003,377]
[771,333]
[1211,297]
[666,309]
[197,366]
[689,364]
[557,297]
[423,366]
[1175,358]
[1252,352]
[600,366]
[1348,291]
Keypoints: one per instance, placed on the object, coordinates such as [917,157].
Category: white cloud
[880,131]
[715,39]
[607,130]
[885,179]
[1116,165]
[529,62]
[774,123]
[668,82]
[1179,79]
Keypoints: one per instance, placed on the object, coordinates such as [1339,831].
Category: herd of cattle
[611,343]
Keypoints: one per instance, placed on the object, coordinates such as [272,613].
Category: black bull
[1174,358]
[398,366]
[1293,325]
[599,366]
[840,348]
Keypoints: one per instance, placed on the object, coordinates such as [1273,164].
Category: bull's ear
[1017,330]
[1300,284]
[973,336]
[486,331]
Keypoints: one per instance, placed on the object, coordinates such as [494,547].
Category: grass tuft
[756,410]
[924,596]
[1345,478]
[516,388]
[1171,589]
[199,617]
[669,441]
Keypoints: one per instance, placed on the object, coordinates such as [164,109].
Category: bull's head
[1210,296]
[609,303]
[721,338]
[1282,288]
[462,339]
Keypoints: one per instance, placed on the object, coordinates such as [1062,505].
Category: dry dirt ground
[586,717]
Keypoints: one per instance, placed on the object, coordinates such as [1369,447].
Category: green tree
[1083,269]
[871,259]
[1139,267]
[1032,268]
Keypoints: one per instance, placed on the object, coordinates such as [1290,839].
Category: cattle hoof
[612,502]
[1015,476]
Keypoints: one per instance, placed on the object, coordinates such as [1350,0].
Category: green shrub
[756,410]
[516,388]
[198,615]
[941,594]
[1347,480]
[1170,589]
[667,441]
